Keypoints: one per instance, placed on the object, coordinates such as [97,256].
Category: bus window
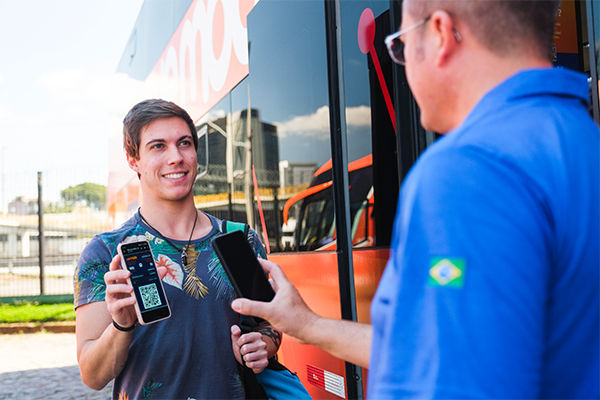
[368,67]
[288,87]
[212,135]
[211,186]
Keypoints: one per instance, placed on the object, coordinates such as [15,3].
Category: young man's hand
[251,347]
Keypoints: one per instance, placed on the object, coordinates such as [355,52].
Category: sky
[57,60]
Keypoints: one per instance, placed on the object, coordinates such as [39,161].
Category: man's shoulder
[530,102]
[128,229]
[529,124]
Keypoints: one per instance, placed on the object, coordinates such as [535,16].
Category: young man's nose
[174,155]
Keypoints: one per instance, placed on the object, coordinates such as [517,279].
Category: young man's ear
[133,163]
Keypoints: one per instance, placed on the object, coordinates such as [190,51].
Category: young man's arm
[256,348]
[102,350]
[288,313]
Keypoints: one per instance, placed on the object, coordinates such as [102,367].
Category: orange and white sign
[206,57]
[565,28]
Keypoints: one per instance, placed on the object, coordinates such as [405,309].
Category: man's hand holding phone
[119,299]
[119,294]
[287,312]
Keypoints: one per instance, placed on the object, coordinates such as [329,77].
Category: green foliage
[92,194]
[33,312]
[58,208]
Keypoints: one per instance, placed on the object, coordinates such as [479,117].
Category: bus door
[288,87]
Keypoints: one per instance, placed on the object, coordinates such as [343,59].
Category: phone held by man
[151,301]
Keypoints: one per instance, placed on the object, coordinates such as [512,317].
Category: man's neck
[175,219]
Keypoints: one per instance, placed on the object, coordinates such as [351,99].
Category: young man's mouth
[175,175]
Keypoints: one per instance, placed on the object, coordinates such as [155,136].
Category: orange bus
[306,131]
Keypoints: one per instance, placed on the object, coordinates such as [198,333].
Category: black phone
[151,301]
[243,269]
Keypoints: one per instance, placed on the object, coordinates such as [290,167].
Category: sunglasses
[395,45]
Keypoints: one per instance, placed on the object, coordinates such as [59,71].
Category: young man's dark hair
[146,112]
[502,27]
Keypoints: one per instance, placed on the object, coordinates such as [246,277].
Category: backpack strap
[230,226]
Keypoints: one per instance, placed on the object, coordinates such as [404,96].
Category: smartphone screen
[243,269]
[151,300]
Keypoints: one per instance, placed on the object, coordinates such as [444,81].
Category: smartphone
[243,269]
[151,301]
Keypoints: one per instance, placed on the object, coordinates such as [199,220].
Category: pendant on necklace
[183,257]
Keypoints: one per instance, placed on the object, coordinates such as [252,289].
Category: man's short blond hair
[505,27]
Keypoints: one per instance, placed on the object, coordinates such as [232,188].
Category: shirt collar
[548,81]
[558,82]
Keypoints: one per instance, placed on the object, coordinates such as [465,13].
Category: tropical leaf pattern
[191,254]
[218,276]
[193,285]
[160,246]
[134,238]
[149,388]
[238,385]
[174,275]
[92,273]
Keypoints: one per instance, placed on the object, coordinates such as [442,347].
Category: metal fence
[46,219]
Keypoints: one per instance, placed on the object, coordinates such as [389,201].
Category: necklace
[183,253]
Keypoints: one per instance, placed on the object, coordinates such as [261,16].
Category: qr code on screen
[150,296]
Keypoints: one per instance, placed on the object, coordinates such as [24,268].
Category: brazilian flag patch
[448,272]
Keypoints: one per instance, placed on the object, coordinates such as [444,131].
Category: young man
[491,290]
[191,354]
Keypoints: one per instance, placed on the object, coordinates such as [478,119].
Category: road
[24,280]
[43,366]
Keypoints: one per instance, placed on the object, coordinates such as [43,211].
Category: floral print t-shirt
[189,355]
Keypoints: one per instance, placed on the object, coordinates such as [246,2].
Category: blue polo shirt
[492,287]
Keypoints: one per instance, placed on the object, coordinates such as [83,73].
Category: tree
[92,194]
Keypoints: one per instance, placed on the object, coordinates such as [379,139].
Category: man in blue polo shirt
[492,287]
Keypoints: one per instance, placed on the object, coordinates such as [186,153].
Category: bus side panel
[124,203]
[316,277]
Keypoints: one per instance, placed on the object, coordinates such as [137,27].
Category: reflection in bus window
[316,226]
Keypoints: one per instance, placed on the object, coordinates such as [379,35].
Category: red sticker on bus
[326,380]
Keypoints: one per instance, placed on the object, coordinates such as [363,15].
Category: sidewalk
[31,327]
[43,366]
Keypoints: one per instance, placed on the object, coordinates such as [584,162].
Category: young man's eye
[186,143]
[157,146]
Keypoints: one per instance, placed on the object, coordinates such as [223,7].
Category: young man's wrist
[124,329]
